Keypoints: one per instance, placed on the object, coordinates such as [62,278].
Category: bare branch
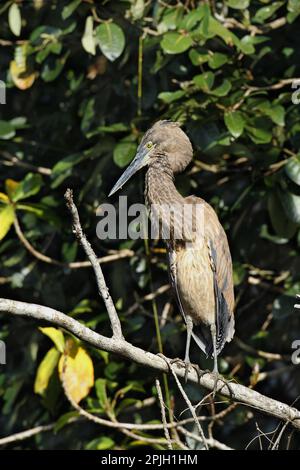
[12,160]
[21,436]
[102,287]
[241,394]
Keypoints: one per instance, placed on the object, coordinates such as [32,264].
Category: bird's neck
[160,187]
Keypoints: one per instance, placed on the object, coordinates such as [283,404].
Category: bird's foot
[181,363]
[216,377]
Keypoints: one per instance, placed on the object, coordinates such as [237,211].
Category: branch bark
[120,346]
[102,287]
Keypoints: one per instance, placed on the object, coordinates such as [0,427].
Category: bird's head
[165,139]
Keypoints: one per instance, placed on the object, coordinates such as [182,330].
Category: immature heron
[200,266]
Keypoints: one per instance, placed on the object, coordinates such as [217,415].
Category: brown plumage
[199,260]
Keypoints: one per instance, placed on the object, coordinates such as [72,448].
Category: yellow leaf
[11,187]
[45,371]
[4,198]
[22,79]
[56,336]
[76,370]
[7,217]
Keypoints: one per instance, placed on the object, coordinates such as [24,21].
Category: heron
[200,267]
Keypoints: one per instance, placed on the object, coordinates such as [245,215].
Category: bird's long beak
[139,161]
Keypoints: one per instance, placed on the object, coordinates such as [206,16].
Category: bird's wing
[223,279]
[199,338]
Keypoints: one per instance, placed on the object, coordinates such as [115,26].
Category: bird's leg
[189,329]
[215,370]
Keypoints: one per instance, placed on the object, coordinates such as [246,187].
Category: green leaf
[15,19]
[235,122]
[199,56]
[176,43]
[137,9]
[277,114]
[292,169]
[7,217]
[266,12]
[7,131]
[66,163]
[111,40]
[238,4]
[56,336]
[100,443]
[69,9]
[64,420]
[293,9]
[259,135]
[51,48]
[171,96]
[52,68]
[211,27]
[283,227]
[100,386]
[217,60]
[291,204]
[246,45]
[104,443]
[88,40]
[28,187]
[204,81]
[45,371]
[124,151]
[171,19]
[223,89]
[190,20]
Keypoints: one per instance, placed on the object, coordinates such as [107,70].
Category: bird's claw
[216,377]
[181,363]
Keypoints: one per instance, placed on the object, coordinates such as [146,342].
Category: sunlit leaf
[111,40]
[15,19]
[45,371]
[56,336]
[88,39]
[7,217]
[235,122]
[77,371]
[292,169]
[22,79]
[176,43]
[28,187]
[70,8]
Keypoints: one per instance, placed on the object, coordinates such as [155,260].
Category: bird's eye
[149,144]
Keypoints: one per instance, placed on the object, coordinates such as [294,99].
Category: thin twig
[275,86]
[12,160]
[73,265]
[188,402]
[163,414]
[210,441]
